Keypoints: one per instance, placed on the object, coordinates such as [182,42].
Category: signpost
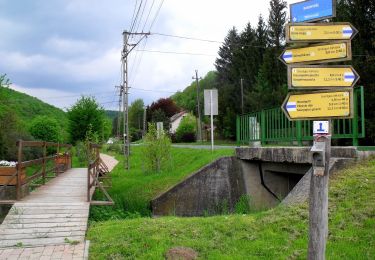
[312,10]
[303,32]
[319,105]
[321,76]
[334,101]
[319,53]
[211,108]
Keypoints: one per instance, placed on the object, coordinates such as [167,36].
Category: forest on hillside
[252,54]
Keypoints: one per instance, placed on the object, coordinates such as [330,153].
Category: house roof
[178,115]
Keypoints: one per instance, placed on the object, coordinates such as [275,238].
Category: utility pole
[199,127]
[242,95]
[125,84]
[119,111]
[144,121]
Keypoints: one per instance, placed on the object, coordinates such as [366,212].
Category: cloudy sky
[57,50]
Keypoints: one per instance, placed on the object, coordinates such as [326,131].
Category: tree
[82,114]
[156,149]
[167,105]
[45,128]
[136,111]
[276,22]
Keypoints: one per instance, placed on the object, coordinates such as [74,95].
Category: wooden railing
[97,177]
[27,174]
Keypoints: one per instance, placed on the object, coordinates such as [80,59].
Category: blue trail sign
[312,10]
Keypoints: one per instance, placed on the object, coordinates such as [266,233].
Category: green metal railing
[271,125]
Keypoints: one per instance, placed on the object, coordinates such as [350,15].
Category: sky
[59,50]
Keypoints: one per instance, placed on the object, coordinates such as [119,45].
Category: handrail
[94,169]
[271,125]
[22,166]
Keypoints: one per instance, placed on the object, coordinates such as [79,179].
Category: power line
[186,37]
[148,15]
[180,53]
[156,14]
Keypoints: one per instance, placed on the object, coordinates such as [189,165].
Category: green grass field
[133,190]
[279,233]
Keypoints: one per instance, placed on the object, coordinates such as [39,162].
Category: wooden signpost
[319,105]
[318,53]
[321,77]
[310,32]
[330,96]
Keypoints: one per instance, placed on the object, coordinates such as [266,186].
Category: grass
[279,233]
[216,142]
[133,190]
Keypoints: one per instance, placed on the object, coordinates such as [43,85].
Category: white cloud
[62,45]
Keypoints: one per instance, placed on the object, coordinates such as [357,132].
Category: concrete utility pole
[144,121]
[199,127]
[242,95]
[126,87]
[119,111]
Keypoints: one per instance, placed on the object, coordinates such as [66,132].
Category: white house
[176,120]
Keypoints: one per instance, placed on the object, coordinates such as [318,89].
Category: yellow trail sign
[319,53]
[309,32]
[317,77]
[319,105]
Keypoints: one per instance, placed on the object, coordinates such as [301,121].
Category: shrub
[157,149]
[186,130]
[45,128]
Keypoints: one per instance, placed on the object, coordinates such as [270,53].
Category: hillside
[112,114]
[187,99]
[26,107]
[279,233]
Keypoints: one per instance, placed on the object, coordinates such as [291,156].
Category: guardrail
[97,176]
[271,125]
[27,173]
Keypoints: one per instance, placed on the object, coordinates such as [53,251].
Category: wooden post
[44,162]
[19,170]
[318,206]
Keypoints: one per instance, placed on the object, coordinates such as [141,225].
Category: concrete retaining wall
[217,186]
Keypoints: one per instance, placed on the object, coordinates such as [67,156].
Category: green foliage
[187,129]
[243,205]
[136,111]
[157,149]
[45,129]
[85,115]
[17,111]
[279,233]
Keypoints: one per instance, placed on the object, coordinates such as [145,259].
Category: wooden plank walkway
[51,222]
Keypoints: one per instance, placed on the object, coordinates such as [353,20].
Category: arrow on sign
[318,53]
[303,32]
[318,105]
[318,77]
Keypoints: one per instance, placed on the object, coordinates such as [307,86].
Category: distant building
[176,120]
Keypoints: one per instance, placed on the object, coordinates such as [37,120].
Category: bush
[45,128]
[186,130]
[157,149]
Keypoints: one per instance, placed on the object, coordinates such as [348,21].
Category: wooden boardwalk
[51,222]
[56,213]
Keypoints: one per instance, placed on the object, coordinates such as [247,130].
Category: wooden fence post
[44,162]
[19,170]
